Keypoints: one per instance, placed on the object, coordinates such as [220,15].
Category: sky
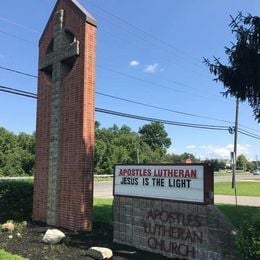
[149,52]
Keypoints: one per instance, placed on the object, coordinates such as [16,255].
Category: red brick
[77,129]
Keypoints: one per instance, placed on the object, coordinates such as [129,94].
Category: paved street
[239,177]
[241,200]
[105,190]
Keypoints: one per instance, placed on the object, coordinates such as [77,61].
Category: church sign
[168,209]
[179,182]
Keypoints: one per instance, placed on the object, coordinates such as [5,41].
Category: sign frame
[208,182]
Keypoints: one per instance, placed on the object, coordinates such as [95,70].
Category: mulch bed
[73,246]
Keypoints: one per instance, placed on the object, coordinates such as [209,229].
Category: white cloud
[151,68]
[191,146]
[224,152]
[134,63]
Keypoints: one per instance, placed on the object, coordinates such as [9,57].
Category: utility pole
[234,186]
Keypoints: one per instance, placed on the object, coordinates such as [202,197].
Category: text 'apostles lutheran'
[174,173]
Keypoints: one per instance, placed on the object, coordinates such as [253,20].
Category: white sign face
[172,182]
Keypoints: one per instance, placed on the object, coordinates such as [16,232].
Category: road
[239,177]
[105,190]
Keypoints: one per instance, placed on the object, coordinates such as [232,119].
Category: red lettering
[193,174]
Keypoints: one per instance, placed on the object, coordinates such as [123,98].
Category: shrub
[16,200]
[246,243]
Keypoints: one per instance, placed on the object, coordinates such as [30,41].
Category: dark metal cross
[57,62]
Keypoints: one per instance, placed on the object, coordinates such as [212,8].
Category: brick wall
[76,145]
[173,229]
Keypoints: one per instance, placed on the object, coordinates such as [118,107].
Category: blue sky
[147,51]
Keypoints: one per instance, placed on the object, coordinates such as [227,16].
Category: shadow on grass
[103,211]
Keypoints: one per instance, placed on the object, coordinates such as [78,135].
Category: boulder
[8,227]
[100,252]
[53,236]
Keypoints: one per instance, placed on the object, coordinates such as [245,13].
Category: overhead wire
[141,30]
[17,37]
[118,18]
[19,25]
[19,72]
[123,74]
[138,117]
[121,114]
[102,67]
[162,108]
[130,101]
[139,103]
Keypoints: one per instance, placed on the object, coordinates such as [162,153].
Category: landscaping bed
[73,246]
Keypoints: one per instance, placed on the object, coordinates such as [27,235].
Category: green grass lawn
[103,210]
[103,213]
[6,256]
[243,188]
[237,215]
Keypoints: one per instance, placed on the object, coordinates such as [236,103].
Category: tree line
[112,145]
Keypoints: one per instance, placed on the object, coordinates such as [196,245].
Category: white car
[256,172]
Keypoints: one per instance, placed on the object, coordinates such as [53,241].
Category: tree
[155,136]
[217,164]
[17,153]
[242,162]
[115,145]
[181,158]
[241,77]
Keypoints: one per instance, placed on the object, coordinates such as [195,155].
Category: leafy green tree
[155,136]
[17,153]
[181,158]
[115,145]
[241,77]
[241,162]
[250,166]
[122,145]
[217,164]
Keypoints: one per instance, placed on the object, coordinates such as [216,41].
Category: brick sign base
[173,229]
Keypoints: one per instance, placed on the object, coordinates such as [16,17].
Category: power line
[161,108]
[142,31]
[101,110]
[135,78]
[127,100]
[118,18]
[18,92]
[152,83]
[143,118]
[243,132]
[168,122]
[18,72]
[16,37]
[141,80]
[136,102]
[122,74]
[18,25]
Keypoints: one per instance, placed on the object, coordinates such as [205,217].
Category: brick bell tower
[63,183]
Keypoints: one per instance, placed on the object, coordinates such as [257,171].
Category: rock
[8,227]
[53,236]
[100,252]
